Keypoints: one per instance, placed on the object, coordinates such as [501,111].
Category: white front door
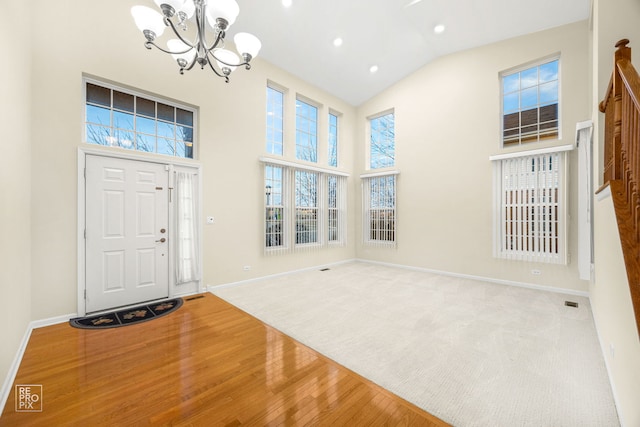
[126,208]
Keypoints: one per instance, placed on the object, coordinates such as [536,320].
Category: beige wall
[447,126]
[231,134]
[610,298]
[15,188]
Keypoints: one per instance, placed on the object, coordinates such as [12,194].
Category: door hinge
[85,234]
[85,294]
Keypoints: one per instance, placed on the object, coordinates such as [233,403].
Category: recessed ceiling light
[286,3]
[337,42]
[438,29]
[373,69]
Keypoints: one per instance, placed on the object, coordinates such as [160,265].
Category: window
[382,141]
[530,219]
[334,218]
[380,209]
[274,207]
[333,140]
[530,111]
[304,207]
[118,118]
[306,132]
[275,121]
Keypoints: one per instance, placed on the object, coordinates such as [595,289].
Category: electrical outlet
[536,272]
[246,268]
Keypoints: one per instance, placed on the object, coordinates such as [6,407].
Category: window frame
[370,136]
[519,69]
[290,206]
[269,142]
[333,138]
[311,133]
[137,94]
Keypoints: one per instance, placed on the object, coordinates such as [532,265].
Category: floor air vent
[196,297]
[325,269]
[571,304]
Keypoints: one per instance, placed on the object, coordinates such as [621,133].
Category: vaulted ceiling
[397,36]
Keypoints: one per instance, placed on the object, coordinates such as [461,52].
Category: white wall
[610,297]
[15,188]
[231,139]
[447,126]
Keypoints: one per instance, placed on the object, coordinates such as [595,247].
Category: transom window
[530,111]
[275,121]
[118,118]
[382,141]
[306,132]
[333,140]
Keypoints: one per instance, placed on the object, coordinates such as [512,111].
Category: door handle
[162,240]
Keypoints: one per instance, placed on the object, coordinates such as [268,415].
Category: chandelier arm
[226,78]
[169,23]
[218,43]
[246,63]
[148,45]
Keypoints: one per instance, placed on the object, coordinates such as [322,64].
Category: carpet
[127,316]
[475,354]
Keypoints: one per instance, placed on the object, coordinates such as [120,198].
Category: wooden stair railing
[621,107]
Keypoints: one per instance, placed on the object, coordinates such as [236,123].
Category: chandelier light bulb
[225,59]
[148,20]
[176,5]
[182,53]
[247,44]
[225,9]
[197,47]
[188,8]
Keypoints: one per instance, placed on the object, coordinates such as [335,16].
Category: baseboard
[604,349]
[210,288]
[483,279]
[13,370]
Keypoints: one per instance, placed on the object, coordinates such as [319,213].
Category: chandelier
[203,45]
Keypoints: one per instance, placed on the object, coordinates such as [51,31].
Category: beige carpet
[470,352]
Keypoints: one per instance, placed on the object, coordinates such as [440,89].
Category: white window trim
[535,152]
[139,93]
[522,67]
[368,136]
[302,166]
[289,206]
[284,91]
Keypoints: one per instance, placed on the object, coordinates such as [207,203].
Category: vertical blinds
[304,209]
[531,206]
[379,207]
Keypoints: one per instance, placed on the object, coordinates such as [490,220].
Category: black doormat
[127,316]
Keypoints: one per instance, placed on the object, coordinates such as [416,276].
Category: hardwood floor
[209,364]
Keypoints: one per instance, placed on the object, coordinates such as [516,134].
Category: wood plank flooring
[208,363]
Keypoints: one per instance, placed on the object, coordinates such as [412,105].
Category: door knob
[162,240]
[162,230]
